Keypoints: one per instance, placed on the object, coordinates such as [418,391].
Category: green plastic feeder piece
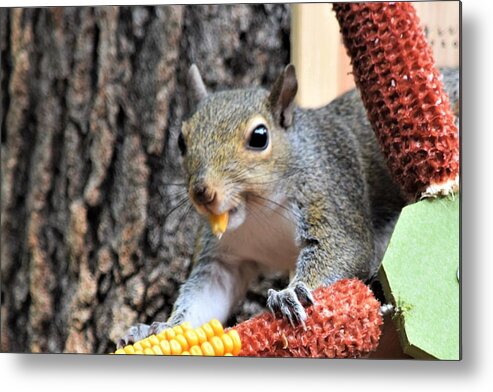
[420,276]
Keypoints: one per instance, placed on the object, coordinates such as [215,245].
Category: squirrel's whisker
[273,202]
[275,210]
[171,184]
[180,204]
[246,177]
[261,218]
[167,193]
[184,217]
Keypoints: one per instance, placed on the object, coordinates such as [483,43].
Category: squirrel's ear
[281,98]
[196,85]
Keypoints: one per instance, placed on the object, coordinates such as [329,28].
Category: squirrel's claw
[290,302]
[304,294]
[157,326]
[135,333]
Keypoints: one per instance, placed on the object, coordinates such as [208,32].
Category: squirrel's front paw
[141,331]
[134,334]
[290,302]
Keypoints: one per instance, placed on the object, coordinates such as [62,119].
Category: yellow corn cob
[218,224]
[209,339]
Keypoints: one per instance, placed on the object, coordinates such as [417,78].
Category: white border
[473,373]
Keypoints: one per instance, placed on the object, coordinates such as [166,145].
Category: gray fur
[326,176]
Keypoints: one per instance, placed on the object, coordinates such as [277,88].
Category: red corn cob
[344,323]
[401,88]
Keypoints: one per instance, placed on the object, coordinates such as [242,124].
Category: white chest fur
[267,237]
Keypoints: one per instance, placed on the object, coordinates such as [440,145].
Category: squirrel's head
[235,148]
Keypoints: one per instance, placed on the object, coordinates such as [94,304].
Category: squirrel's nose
[204,194]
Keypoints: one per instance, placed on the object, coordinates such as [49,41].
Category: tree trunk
[91,103]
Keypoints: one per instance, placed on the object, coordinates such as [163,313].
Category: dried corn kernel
[175,347]
[129,349]
[146,343]
[217,327]
[195,350]
[157,350]
[183,342]
[165,347]
[217,345]
[170,333]
[228,343]
[208,330]
[207,349]
[192,338]
[218,224]
[153,340]
[178,330]
[233,334]
[201,335]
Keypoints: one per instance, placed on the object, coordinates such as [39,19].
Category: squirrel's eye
[259,139]
[181,144]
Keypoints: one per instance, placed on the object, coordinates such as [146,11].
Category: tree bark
[91,103]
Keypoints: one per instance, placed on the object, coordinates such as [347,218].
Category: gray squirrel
[283,188]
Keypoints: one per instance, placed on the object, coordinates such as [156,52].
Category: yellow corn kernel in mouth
[218,224]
